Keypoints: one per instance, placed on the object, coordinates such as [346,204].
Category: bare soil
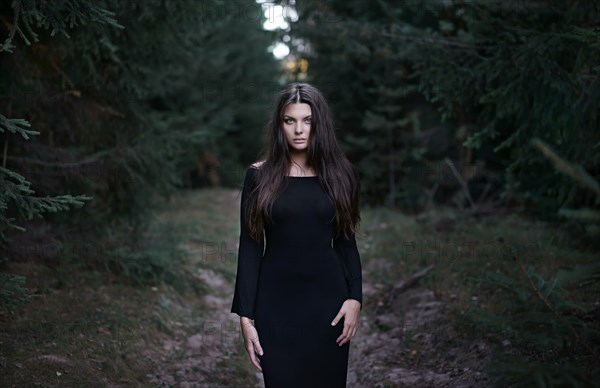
[132,337]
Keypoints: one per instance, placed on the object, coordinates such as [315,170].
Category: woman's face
[296,126]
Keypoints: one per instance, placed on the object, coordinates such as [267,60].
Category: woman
[304,291]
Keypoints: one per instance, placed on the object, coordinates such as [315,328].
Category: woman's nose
[301,127]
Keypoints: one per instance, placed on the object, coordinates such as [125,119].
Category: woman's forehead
[297,110]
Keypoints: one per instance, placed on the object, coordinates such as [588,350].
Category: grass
[470,247]
[83,337]
[82,328]
[395,245]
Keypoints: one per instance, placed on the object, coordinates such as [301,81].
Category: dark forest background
[453,111]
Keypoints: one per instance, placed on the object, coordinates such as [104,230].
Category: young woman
[303,286]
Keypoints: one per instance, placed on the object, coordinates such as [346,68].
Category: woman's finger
[347,336]
[258,347]
[337,318]
[251,349]
[253,346]
[345,333]
[350,326]
[341,337]
[255,361]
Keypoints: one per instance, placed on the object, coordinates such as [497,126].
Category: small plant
[544,339]
[11,292]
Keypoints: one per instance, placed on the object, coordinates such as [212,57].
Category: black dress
[296,286]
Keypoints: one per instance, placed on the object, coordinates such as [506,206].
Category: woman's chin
[298,148]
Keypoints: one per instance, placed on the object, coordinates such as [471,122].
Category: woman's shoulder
[256,165]
[252,169]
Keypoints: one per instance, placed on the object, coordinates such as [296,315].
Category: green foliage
[16,195]
[581,274]
[16,192]
[498,73]
[16,126]
[11,292]
[126,99]
[588,216]
[574,170]
[15,189]
[54,16]
[517,372]
[547,343]
[152,258]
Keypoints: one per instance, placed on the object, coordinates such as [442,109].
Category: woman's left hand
[350,311]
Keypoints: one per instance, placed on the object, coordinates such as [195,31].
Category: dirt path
[96,333]
[410,343]
[204,346]
[201,345]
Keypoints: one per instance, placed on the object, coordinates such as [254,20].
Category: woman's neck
[299,166]
[299,159]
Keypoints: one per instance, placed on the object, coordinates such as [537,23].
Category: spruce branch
[16,189]
[87,160]
[52,16]
[461,181]
[444,42]
[574,170]
[16,126]
[538,293]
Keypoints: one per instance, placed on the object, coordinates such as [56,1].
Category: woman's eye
[307,121]
[287,121]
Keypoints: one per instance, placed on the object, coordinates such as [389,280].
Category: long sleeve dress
[294,287]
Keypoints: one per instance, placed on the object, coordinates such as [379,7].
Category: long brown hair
[338,177]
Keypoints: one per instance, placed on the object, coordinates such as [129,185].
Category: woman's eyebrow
[293,118]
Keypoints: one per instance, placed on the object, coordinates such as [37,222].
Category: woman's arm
[348,252]
[250,254]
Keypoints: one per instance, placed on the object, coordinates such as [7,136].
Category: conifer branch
[443,42]
[549,305]
[461,181]
[90,159]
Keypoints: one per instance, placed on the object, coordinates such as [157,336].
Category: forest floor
[93,333]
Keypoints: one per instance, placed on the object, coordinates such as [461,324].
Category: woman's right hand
[252,343]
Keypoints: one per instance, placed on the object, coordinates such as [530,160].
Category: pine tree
[125,97]
[17,199]
[16,190]
[498,73]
